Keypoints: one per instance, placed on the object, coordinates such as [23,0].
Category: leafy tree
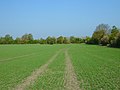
[27,38]
[60,40]
[30,39]
[72,39]
[54,40]
[48,39]
[51,40]
[17,40]
[114,32]
[36,41]
[100,31]
[104,27]
[2,40]
[8,39]
[66,40]
[78,40]
[88,40]
[43,41]
[118,40]
[105,40]
[97,35]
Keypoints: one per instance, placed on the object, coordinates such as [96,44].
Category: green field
[96,67]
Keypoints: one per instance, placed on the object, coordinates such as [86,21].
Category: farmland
[59,67]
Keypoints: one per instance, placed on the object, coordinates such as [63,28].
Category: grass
[96,67]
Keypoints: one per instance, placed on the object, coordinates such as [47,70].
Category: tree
[54,40]
[114,32]
[48,39]
[72,39]
[8,39]
[66,40]
[118,40]
[60,40]
[27,38]
[78,40]
[88,40]
[114,37]
[43,41]
[2,40]
[30,38]
[17,40]
[51,40]
[100,31]
[35,41]
[105,40]
[104,27]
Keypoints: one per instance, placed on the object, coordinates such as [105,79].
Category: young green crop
[14,66]
[53,79]
[96,67]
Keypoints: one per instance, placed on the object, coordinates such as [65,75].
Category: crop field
[59,67]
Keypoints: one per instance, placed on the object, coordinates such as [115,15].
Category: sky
[45,18]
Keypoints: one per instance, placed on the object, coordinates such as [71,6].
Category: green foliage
[88,40]
[60,40]
[105,36]
[114,37]
[27,38]
[6,40]
[17,40]
[118,40]
[51,40]
[43,41]
[72,39]
[104,27]
[105,40]
[114,32]
[66,40]
[75,40]
[97,35]
[100,31]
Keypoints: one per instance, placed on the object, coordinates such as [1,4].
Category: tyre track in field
[35,74]
[71,82]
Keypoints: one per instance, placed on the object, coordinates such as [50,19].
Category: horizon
[56,18]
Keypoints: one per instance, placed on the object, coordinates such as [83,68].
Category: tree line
[28,39]
[103,35]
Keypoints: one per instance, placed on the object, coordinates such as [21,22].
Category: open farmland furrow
[71,82]
[31,79]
